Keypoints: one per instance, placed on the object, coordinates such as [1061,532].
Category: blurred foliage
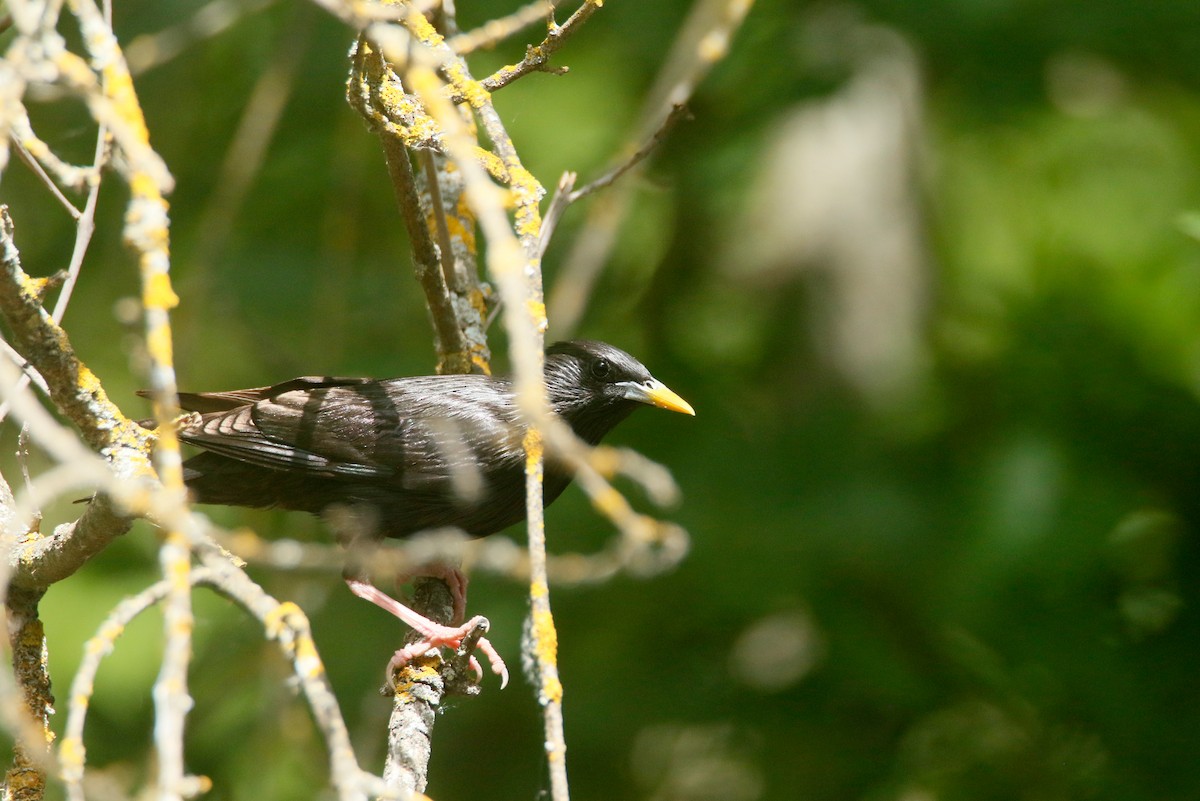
[983,585]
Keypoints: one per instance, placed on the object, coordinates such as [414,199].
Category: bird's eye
[601,368]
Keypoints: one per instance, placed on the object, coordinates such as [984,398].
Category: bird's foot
[433,635]
[439,636]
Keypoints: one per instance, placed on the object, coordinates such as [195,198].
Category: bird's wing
[417,431]
[209,402]
[205,402]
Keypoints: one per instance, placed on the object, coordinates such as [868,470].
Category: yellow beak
[656,393]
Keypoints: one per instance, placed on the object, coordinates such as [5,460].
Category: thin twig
[150,50]
[36,168]
[19,717]
[39,339]
[42,160]
[85,226]
[495,554]
[701,43]
[494,31]
[282,622]
[29,372]
[72,753]
[537,58]
[559,202]
[247,150]
[438,213]
[676,112]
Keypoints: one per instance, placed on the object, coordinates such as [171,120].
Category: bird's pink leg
[433,635]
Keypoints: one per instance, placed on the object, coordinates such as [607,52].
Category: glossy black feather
[407,451]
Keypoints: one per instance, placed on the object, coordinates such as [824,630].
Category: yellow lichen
[609,502]
[142,185]
[545,638]
[419,670]
[275,621]
[423,30]
[537,311]
[119,88]
[157,293]
[158,344]
[552,690]
[481,363]
[308,662]
[533,448]
[492,163]
[87,381]
[458,230]
[713,46]
[471,90]
[71,753]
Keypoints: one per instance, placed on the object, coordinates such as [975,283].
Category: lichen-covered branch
[74,388]
[26,779]
[283,623]
[451,287]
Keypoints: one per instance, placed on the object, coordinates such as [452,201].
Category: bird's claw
[451,637]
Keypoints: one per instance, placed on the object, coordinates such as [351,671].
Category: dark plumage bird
[404,454]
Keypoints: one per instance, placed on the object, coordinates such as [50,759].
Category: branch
[513,262]
[419,689]
[701,43]
[452,291]
[636,556]
[566,194]
[283,623]
[26,777]
[73,387]
[537,58]
[497,30]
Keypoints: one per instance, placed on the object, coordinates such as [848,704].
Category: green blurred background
[929,273]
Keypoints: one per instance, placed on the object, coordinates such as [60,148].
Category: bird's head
[594,386]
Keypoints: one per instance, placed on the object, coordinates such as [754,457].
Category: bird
[402,455]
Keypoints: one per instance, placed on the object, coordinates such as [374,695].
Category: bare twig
[513,263]
[40,158]
[438,214]
[559,201]
[282,622]
[255,130]
[29,372]
[85,226]
[676,112]
[496,554]
[537,58]
[151,50]
[701,43]
[36,167]
[73,755]
[497,30]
